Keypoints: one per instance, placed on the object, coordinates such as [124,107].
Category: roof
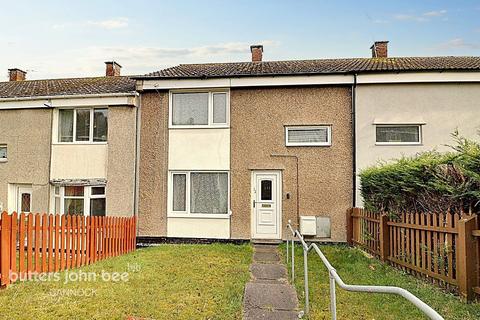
[319,66]
[70,86]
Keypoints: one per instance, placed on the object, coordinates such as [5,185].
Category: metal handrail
[334,277]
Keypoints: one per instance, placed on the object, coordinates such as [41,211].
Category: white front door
[24,199]
[266,204]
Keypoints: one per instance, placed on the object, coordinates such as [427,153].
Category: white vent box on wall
[308,225]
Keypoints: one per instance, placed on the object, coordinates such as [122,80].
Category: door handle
[254,203]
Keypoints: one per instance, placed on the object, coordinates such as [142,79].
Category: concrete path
[268,295]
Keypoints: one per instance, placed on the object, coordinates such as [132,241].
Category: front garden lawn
[165,282]
[356,268]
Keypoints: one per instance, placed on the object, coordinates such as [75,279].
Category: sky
[54,39]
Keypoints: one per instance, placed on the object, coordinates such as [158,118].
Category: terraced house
[68,145]
[235,150]
[228,150]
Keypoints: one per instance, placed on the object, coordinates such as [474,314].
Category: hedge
[427,182]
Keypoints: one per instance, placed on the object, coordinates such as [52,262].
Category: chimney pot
[380,49]
[112,69]
[257,52]
[16,74]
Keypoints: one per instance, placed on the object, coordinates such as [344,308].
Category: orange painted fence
[442,247]
[40,243]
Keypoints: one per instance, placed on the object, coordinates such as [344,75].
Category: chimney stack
[16,74]
[113,69]
[380,49]
[257,52]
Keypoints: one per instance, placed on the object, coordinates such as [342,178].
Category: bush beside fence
[40,243]
[443,247]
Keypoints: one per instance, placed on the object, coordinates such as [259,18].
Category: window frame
[420,134]
[4,145]
[210,124]
[187,213]
[309,144]
[87,196]
[90,132]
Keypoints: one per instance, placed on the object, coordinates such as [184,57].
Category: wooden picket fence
[40,243]
[442,247]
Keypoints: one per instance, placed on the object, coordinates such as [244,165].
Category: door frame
[253,219]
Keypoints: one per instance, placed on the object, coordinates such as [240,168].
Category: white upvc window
[80,200]
[83,125]
[3,152]
[398,134]
[304,136]
[199,109]
[203,194]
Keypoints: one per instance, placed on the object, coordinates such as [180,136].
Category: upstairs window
[308,136]
[199,109]
[398,134]
[3,152]
[83,125]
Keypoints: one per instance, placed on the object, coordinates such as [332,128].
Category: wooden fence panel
[47,243]
[442,247]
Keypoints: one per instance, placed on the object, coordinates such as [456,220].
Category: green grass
[355,268]
[164,282]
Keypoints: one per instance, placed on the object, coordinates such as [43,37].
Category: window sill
[308,145]
[3,160]
[199,127]
[398,144]
[200,215]
[79,143]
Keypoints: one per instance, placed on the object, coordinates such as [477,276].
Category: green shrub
[428,182]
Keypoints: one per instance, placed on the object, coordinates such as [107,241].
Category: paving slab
[268,271]
[265,248]
[260,314]
[270,296]
[266,257]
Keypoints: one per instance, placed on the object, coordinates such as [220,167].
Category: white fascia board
[418,77]
[185,84]
[292,80]
[301,80]
[68,101]
[246,82]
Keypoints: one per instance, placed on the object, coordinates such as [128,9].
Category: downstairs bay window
[199,193]
[80,200]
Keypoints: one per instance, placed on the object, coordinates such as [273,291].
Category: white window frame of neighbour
[6,152]
[210,124]
[87,196]
[187,213]
[328,143]
[417,143]
[90,133]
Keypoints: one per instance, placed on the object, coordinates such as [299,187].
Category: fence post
[384,238]
[5,249]
[350,226]
[466,257]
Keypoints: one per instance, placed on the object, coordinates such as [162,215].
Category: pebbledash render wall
[258,117]
[26,132]
[257,120]
[121,161]
[152,216]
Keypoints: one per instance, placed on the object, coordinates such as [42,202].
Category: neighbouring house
[68,145]
[236,150]
[414,106]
